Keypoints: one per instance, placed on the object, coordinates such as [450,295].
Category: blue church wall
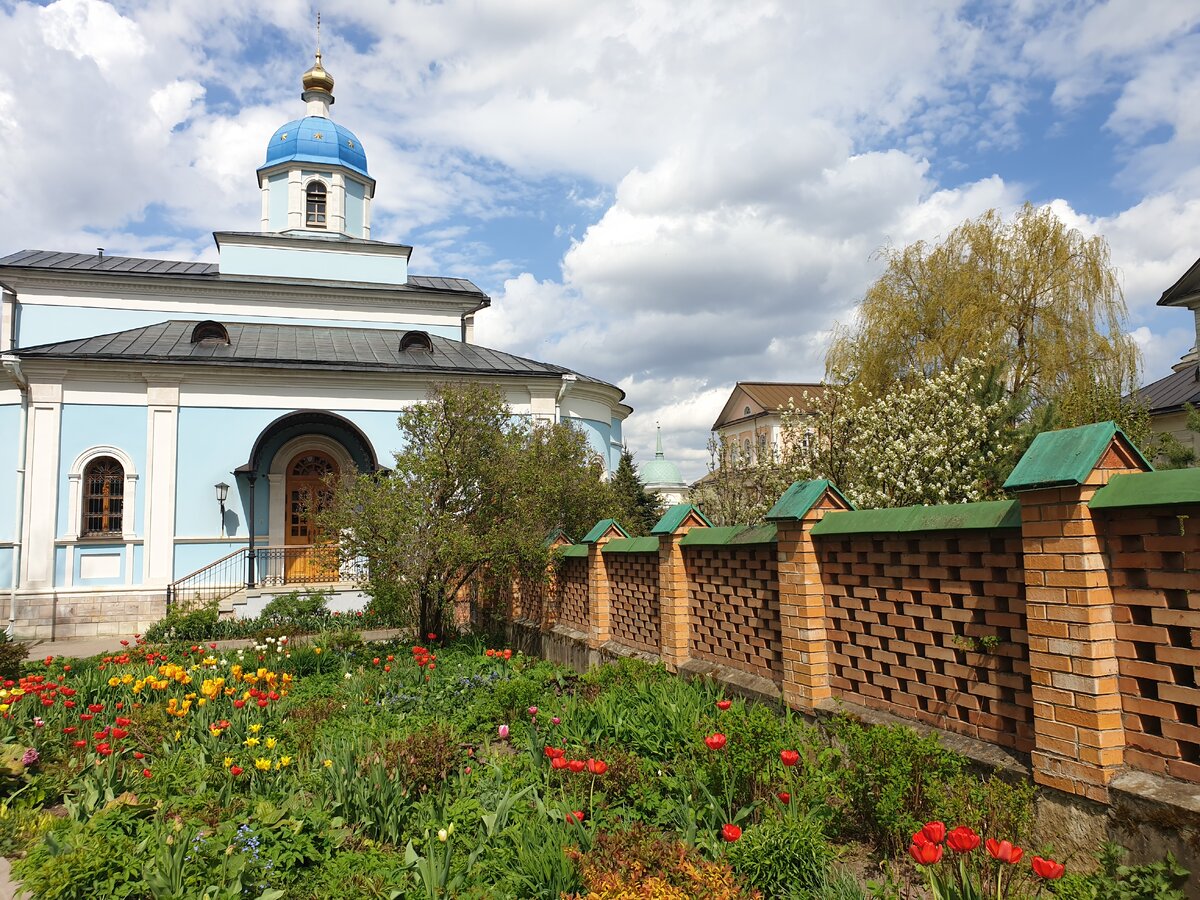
[100,550]
[47,324]
[278,191]
[298,263]
[10,421]
[598,438]
[6,566]
[87,425]
[356,193]
[190,557]
[60,566]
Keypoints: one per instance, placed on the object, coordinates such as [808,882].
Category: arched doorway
[308,489]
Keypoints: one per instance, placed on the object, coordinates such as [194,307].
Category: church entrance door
[307,557]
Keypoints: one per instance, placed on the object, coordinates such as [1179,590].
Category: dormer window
[416,340]
[210,332]
[314,215]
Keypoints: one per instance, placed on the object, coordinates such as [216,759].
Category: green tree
[474,490]
[635,508]
[1039,298]
[1171,452]
[738,489]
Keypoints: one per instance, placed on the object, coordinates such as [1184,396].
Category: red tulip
[962,839]
[123,722]
[935,832]
[597,766]
[138,754]
[576,765]
[554,752]
[558,763]
[146,773]
[723,705]
[715,742]
[575,816]
[119,733]
[789,757]
[1048,868]
[730,832]
[923,851]
[95,707]
[784,797]
[235,771]
[239,704]
[80,744]
[1004,851]
[508,654]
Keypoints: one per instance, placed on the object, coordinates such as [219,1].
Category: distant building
[662,477]
[750,424]
[1167,396]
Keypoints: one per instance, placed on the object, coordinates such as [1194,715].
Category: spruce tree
[638,509]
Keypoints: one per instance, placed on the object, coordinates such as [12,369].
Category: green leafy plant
[781,857]
[1163,880]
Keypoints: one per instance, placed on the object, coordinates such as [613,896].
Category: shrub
[296,605]
[782,856]
[890,780]
[995,805]
[1113,881]
[641,862]
[185,623]
[12,654]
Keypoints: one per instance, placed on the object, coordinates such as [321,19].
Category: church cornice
[340,295]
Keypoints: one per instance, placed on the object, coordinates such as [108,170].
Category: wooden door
[307,558]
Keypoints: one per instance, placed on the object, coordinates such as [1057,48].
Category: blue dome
[316,140]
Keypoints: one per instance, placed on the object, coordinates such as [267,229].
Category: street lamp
[222,493]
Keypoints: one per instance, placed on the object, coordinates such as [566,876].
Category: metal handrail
[265,566]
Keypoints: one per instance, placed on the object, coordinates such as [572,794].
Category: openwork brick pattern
[907,623]
[633,581]
[1154,556]
[571,594]
[530,600]
[734,602]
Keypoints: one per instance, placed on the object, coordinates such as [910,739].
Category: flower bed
[333,769]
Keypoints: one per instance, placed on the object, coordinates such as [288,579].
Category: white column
[41,482]
[337,203]
[277,511]
[162,429]
[367,220]
[8,320]
[266,204]
[295,216]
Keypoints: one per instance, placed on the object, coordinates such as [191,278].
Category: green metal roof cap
[599,528]
[675,516]
[573,551]
[1067,457]
[555,535]
[1166,488]
[729,534]
[950,517]
[800,498]
[632,545]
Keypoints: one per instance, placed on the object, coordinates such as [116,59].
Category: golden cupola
[317,79]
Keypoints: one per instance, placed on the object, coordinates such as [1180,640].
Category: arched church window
[103,497]
[746,449]
[313,465]
[315,205]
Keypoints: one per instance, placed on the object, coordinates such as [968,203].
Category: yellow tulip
[271,742]
[262,765]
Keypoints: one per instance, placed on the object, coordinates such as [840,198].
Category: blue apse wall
[10,419]
[598,436]
[85,426]
[102,550]
[47,324]
[6,564]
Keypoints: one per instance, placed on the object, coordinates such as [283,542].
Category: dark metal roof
[132,265]
[1170,393]
[292,346]
[1184,289]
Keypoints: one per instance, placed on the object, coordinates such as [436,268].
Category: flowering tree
[936,441]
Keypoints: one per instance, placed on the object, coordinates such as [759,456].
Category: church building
[166,428]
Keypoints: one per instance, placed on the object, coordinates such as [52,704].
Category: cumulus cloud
[725,177]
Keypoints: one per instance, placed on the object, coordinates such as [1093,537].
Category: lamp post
[222,492]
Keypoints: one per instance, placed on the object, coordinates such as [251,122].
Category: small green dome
[660,470]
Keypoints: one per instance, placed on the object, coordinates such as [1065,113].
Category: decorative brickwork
[633,581]
[911,618]
[734,606]
[571,594]
[1155,563]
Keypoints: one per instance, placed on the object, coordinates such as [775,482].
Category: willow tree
[1038,299]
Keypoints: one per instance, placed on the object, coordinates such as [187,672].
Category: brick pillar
[599,596]
[1079,739]
[806,653]
[674,602]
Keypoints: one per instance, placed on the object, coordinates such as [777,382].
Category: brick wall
[571,594]
[734,607]
[910,621]
[1155,558]
[633,580]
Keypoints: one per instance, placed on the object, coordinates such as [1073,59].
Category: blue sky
[672,196]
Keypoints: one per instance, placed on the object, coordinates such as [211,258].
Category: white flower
[442,835]
[348,676]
